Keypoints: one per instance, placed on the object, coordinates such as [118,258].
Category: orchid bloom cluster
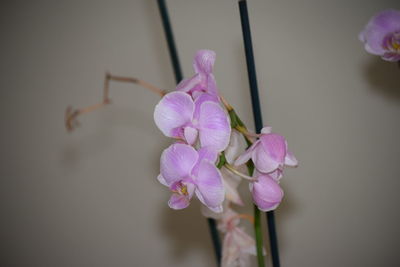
[194,116]
[381,35]
[204,159]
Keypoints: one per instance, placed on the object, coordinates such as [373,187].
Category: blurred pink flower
[381,35]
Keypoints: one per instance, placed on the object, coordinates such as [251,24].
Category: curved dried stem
[71,114]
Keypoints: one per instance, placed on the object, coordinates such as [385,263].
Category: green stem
[235,123]
[259,241]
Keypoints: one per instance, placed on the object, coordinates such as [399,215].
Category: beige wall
[91,197]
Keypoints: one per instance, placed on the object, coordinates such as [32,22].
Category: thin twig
[71,115]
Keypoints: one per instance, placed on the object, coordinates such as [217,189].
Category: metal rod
[255,100]
[178,77]
[170,40]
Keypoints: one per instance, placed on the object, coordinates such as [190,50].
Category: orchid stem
[71,115]
[238,173]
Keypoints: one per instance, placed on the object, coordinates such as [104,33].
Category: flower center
[392,42]
[181,189]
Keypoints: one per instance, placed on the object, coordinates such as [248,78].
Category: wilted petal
[244,241]
[230,251]
[232,151]
[267,194]
[174,110]
[231,183]
[209,185]
[178,202]
[204,61]
[214,126]
[177,162]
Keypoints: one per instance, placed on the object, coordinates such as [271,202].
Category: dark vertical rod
[178,77]
[170,40]
[255,100]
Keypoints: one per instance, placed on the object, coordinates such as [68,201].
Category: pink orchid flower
[177,115]
[269,154]
[381,35]
[266,192]
[186,172]
[203,81]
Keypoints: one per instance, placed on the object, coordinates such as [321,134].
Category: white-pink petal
[209,185]
[262,160]
[174,110]
[267,194]
[204,61]
[275,146]
[245,156]
[214,126]
[177,162]
[188,84]
[190,135]
[178,202]
[290,159]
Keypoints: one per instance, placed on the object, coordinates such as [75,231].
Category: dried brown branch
[71,114]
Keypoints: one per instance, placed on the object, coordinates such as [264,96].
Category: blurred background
[91,198]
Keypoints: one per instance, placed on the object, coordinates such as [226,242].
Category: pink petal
[275,146]
[161,179]
[188,84]
[174,110]
[267,194]
[177,162]
[207,153]
[276,175]
[204,153]
[202,97]
[204,61]
[262,161]
[211,85]
[214,126]
[209,185]
[190,134]
[178,202]
[290,159]
[243,158]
